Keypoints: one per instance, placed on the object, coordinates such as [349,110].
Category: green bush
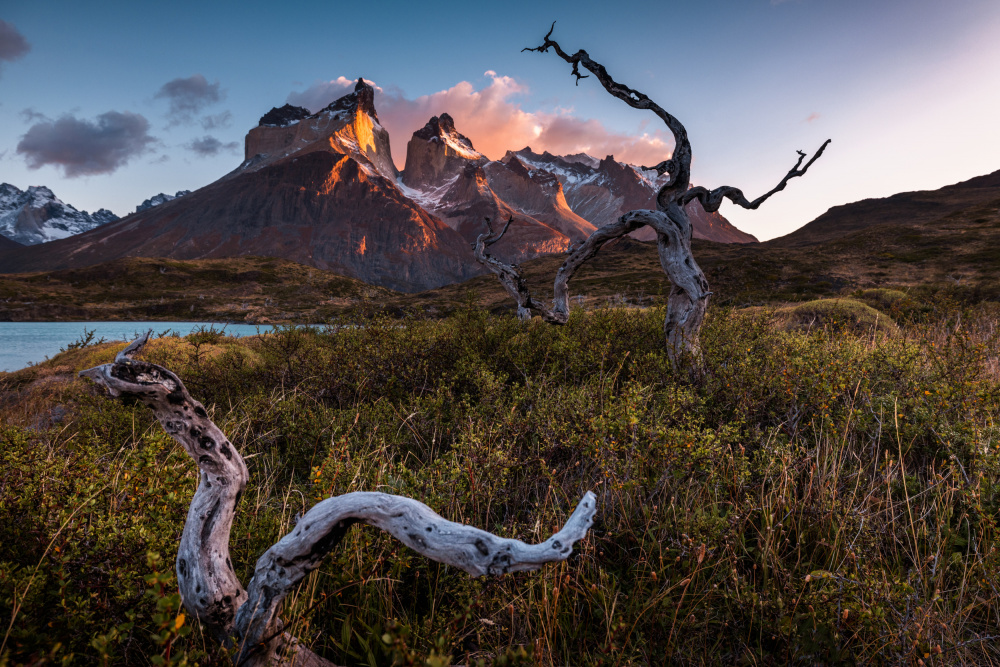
[837,315]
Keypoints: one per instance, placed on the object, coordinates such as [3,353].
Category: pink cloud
[813,116]
[492,117]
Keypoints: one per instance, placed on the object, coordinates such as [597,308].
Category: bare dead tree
[247,620]
[689,292]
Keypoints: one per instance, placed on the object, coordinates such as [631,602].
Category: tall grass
[810,497]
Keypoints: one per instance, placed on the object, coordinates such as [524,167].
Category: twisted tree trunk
[248,619]
[689,293]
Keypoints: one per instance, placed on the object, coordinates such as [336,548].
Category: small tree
[247,620]
[689,293]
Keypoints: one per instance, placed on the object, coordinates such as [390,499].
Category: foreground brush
[247,620]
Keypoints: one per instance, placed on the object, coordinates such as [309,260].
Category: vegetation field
[824,490]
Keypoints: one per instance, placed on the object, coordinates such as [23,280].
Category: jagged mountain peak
[517,167]
[602,190]
[362,99]
[36,215]
[438,152]
[442,130]
[283,116]
[349,125]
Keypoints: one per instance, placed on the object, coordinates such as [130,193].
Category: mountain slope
[904,208]
[7,244]
[603,190]
[322,209]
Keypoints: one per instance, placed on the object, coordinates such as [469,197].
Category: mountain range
[36,215]
[322,189]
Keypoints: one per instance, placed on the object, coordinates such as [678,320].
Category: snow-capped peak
[36,215]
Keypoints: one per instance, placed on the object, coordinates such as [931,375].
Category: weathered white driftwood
[689,293]
[248,619]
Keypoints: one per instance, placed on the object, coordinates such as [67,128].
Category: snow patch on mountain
[36,215]
[430,197]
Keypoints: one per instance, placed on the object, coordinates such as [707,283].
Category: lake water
[26,343]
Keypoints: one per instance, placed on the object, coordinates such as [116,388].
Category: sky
[109,103]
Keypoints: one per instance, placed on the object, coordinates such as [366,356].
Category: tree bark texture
[248,619]
[690,292]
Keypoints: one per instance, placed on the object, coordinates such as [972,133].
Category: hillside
[245,289]
[958,254]
[904,208]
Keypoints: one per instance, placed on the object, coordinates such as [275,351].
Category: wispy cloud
[209,146]
[82,147]
[189,96]
[492,116]
[221,120]
[30,115]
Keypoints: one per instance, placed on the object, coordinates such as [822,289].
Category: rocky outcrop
[161,198]
[283,116]
[603,190]
[446,176]
[36,215]
[348,126]
[437,153]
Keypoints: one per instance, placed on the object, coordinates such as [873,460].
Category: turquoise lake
[25,343]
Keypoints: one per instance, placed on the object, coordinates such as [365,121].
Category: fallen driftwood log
[247,620]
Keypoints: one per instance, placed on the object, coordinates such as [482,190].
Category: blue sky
[907,89]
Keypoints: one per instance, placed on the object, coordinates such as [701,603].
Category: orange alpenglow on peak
[348,125]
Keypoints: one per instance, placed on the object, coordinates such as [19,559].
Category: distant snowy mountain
[37,215]
[161,198]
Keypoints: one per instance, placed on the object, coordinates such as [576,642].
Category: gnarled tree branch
[679,165]
[248,619]
[508,274]
[712,200]
[205,576]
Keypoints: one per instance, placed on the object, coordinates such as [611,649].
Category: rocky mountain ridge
[322,189]
[161,198]
[36,215]
[603,190]
[348,125]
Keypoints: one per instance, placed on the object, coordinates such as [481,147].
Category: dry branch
[712,200]
[249,619]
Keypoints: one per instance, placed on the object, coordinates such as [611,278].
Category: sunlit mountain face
[322,189]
